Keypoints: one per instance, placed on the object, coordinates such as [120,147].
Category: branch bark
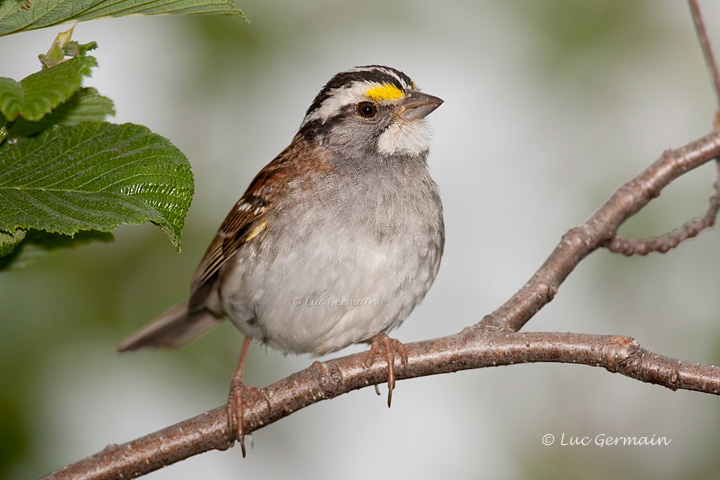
[492,342]
[600,229]
[469,349]
[707,52]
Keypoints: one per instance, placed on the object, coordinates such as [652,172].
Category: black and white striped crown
[377,81]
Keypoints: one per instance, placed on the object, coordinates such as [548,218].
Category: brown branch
[492,342]
[707,53]
[599,230]
[668,241]
[465,350]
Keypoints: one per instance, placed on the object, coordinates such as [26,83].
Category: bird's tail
[172,329]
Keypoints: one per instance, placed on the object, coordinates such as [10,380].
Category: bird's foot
[236,409]
[390,348]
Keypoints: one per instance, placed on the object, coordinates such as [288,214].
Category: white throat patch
[403,137]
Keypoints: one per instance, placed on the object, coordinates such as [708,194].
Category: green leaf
[40,244]
[93,176]
[11,98]
[8,241]
[20,15]
[37,94]
[86,105]
[56,53]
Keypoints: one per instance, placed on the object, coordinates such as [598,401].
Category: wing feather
[239,227]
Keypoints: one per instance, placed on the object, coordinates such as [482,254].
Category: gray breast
[344,258]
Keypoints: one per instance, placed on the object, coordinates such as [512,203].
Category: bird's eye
[366,109]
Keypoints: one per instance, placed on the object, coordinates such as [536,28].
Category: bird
[333,243]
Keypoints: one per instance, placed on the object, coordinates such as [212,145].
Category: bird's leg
[236,405]
[390,347]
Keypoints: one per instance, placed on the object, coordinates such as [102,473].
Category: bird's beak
[417,105]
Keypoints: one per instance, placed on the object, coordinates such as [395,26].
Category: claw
[236,410]
[389,347]
[236,401]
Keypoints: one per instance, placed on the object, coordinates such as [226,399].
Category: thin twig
[706,48]
[466,350]
[668,241]
[599,230]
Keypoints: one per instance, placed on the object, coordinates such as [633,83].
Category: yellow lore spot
[384,91]
[256,231]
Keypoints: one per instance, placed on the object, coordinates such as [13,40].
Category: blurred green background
[549,106]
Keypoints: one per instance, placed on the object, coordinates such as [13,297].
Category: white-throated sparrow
[334,242]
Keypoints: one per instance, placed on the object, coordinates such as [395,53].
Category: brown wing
[250,214]
[241,225]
